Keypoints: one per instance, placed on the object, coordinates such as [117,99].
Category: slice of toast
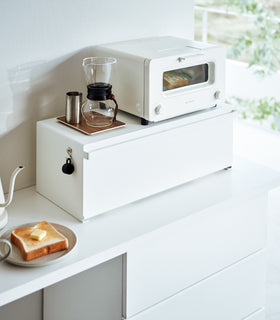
[31,249]
[173,80]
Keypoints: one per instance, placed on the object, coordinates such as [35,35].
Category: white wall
[42,46]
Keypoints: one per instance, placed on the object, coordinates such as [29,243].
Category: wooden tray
[84,128]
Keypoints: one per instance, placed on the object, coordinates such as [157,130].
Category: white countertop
[109,235]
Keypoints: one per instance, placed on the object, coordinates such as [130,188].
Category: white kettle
[4,203]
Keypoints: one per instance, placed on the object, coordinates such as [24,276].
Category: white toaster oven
[164,77]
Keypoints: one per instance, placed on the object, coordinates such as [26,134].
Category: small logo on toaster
[189,101]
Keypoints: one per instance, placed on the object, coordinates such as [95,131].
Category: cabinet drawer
[177,256]
[232,294]
[92,294]
[29,307]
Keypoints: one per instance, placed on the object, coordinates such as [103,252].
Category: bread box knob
[68,167]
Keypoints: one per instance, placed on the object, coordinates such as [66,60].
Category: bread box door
[129,171]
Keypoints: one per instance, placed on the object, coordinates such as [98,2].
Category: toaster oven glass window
[185,77]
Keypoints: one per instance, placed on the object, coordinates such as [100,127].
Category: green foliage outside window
[265,110]
[260,45]
[262,42]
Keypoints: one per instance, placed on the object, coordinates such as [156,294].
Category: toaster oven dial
[217,94]
[158,109]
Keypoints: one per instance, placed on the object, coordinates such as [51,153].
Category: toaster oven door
[175,85]
[185,77]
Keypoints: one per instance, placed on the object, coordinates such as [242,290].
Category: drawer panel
[170,259]
[143,167]
[232,294]
[92,294]
[29,307]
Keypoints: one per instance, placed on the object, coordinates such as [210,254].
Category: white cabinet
[92,294]
[172,258]
[207,265]
[131,163]
[29,307]
[196,248]
[232,294]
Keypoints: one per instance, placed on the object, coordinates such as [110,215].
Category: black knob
[68,167]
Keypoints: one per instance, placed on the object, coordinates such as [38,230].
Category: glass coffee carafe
[100,109]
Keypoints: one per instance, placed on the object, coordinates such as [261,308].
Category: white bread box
[123,165]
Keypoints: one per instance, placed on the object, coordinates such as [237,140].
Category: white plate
[16,257]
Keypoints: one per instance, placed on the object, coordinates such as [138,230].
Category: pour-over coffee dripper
[100,109]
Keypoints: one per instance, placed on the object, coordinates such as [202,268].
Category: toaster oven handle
[181,59]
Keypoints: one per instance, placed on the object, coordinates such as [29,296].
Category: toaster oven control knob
[217,94]
[158,109]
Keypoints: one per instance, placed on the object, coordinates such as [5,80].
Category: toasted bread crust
[39,252]
[19,244]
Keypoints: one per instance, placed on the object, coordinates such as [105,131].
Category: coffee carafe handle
[112,97]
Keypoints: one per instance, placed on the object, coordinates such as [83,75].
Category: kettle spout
[11,187]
